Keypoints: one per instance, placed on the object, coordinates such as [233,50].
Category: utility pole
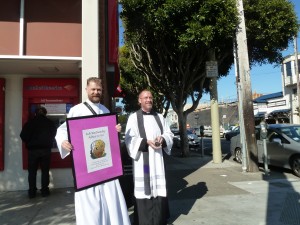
[297,75]
[247,101]
[212,73]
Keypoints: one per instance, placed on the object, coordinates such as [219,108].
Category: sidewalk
[200,192]
[221,194]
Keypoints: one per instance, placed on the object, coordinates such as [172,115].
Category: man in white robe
[147,135]
[103,204]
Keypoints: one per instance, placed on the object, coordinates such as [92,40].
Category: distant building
[172,118]
[228,115]
[289,86]
[274,107]
[279,107]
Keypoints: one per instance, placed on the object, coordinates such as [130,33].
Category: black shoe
[31,194]
[45,193]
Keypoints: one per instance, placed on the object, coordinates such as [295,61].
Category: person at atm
[104,203]
[38,135]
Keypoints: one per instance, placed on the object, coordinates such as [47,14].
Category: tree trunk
[184,144]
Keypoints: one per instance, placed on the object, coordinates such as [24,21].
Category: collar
[91,103]
[148,113]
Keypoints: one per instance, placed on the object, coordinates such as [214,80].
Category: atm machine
[57,95]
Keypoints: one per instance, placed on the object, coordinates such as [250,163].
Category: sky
[265,79]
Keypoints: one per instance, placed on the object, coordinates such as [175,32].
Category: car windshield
[293,132]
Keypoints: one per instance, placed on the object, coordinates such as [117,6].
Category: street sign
[211,69]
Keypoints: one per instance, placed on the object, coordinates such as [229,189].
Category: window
[288,69]
[294,91]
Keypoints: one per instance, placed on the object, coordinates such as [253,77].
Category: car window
[274,135]
[292,132]
[287,132]
[296,132]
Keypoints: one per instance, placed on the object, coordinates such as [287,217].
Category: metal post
[242,134]
[265,157]
[202,147]
[240,107]
[263,136]
[202,141]
[297,75]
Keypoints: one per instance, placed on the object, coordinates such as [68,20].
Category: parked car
[283,146]
[230,128]
[222,132]
[193,139]
[207,131]
[235,131]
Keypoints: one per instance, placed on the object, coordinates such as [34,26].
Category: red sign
[50,87]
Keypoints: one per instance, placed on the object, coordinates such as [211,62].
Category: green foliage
[133,82]
[271,25]
[183,24]
[170,41]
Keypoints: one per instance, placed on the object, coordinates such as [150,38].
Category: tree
[132,82]
[170,41]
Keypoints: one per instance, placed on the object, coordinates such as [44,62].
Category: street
[226,154]
[207,147]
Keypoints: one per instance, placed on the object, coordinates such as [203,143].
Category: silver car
[283,146]
[193,139]
[229,134]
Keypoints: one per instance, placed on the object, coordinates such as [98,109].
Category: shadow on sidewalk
[58,208]
[181,195]
[282,208]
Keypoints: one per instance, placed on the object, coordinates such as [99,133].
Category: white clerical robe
[156,162]
[103,204]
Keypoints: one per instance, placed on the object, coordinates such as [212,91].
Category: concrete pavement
[221,194]
[200,192]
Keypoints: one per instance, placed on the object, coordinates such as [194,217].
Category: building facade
[47,51]
[290,79]
[281,107]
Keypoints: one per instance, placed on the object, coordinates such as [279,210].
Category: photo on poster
[97,148]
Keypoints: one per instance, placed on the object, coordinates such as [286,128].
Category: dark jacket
[38,133]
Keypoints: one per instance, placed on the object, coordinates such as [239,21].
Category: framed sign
[96,149]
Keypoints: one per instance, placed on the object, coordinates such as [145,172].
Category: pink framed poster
[96,149]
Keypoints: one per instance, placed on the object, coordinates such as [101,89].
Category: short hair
[96,80]
[41,111]
[144,90]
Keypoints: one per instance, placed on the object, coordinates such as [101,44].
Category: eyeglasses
[145,98]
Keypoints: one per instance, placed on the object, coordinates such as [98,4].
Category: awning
[260,114]
[280,111]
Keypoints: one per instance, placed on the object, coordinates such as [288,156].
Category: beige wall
[13,177]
